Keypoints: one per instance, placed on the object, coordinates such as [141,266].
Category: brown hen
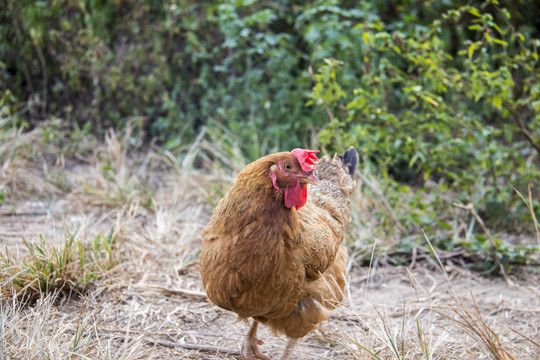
[271,250]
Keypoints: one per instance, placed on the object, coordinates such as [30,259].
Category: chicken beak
[310,179]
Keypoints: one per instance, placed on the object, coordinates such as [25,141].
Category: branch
[204,348]
[523,129]
[196,295]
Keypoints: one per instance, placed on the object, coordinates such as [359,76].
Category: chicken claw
[250,349]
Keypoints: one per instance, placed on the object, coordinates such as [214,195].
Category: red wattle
[295,196]
[303,198]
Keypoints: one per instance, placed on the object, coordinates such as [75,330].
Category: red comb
[306,158]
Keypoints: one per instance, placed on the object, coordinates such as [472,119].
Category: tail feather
[338,170]
[350,159]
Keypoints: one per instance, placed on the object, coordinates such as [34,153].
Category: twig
[525,131]
[369,270]
[197,295]
[204,348]
[13,214]
[413,259]
[523,335]
[345,318]
[531,209]
[311,355]
[438,258]
[470,207]
[44,80]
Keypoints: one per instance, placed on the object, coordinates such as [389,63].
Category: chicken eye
[287,167]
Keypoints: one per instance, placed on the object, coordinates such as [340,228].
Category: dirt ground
[151,304]
[153,300]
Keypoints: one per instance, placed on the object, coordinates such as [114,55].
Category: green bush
[175,66]
[450,106]
[244,64]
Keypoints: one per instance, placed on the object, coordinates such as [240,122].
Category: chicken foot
[250,349]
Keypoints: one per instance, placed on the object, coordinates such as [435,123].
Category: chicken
[271,250]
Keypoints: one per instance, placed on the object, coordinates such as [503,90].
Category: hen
[271,250]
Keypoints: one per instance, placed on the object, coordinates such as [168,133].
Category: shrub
[449,107]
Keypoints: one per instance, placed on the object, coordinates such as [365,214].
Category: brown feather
[283,267]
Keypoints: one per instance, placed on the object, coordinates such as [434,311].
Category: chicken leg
[250,349]
[288,349]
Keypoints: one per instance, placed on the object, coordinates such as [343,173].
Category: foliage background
[442,97]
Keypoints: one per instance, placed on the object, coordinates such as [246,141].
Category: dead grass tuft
[18,173]
[472,322]
[116,180]
[47,268]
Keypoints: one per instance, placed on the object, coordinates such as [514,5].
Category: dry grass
[439,323]
[66,267]
[42,331]
[122,281]
[115,180]
[18,171]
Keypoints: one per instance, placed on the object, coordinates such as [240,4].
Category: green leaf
[474,11]
[471,49]
[500,42]
[496,27]
[497,101]
[365,36]
[430,100]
